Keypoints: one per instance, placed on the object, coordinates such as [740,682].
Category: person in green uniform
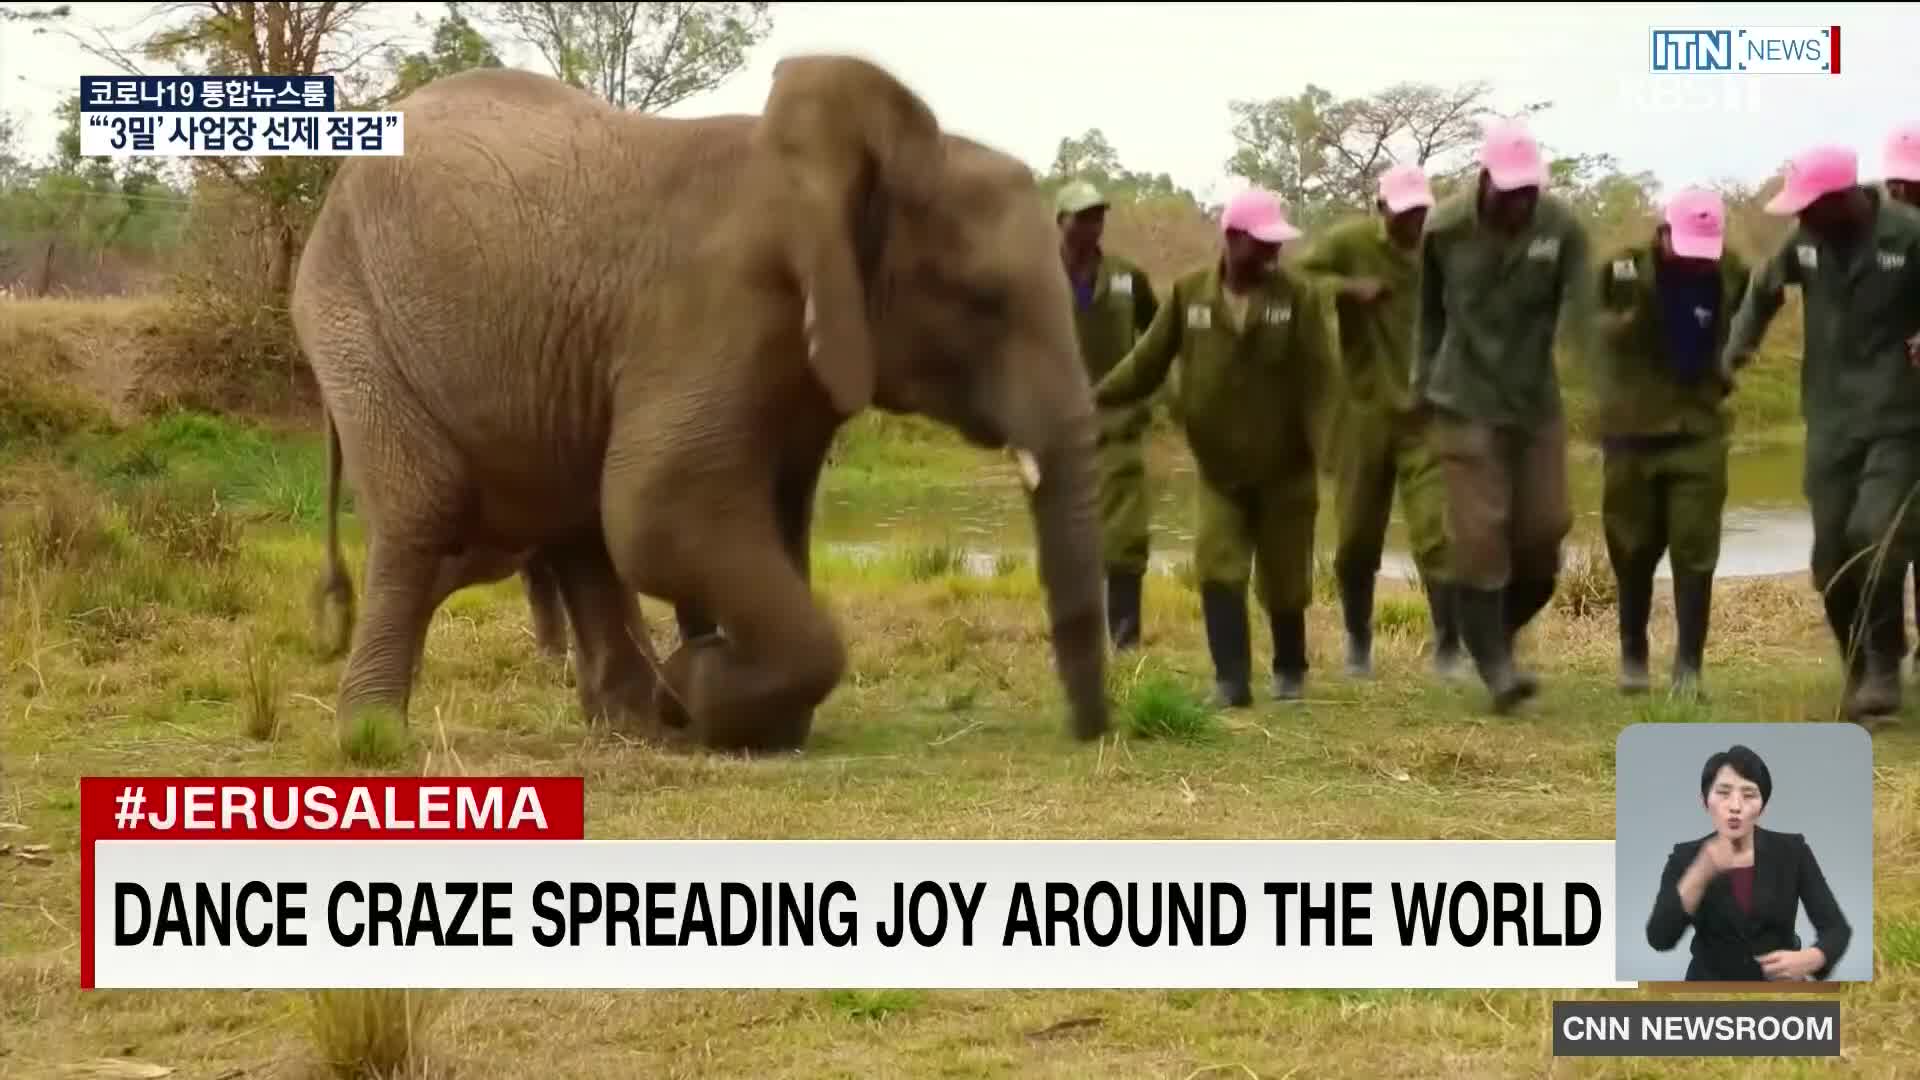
[1661,417]
[1501,266]
[1113,305]
[1372,265]
[1255,341]
[1855,254]
[1903,184]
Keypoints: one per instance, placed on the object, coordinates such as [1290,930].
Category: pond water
[1767,529]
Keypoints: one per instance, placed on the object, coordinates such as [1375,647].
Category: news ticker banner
[342,882]
[229,116]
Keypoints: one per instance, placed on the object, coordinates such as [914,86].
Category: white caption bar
[695,914]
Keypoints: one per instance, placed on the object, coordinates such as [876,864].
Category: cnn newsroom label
[228,116]
[296,883]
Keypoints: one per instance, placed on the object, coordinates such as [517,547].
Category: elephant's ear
[859,146]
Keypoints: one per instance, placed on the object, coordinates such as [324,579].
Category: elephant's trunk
[1066,525]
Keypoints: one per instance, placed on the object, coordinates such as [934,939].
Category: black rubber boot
[1230,643]
[1289,654]
[1869,691]
[1123,608]
[1483,625]
[1525,598]
[1692,614]
[1841,602]
[1356,606]
[1885,644]
[1448,650]
[1635,582]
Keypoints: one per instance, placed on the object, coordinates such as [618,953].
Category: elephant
[622,344]
[332,600]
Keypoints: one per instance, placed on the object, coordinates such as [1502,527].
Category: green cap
[1077,196]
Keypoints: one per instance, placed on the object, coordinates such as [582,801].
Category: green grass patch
[1157,705]
[121,652]
[265,476]
[1899,945]
[873,1005]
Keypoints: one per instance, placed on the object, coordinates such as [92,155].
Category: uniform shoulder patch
[1625,270]
[1808,256]
[1199,316]
[1546,247]
[1892,260]
[1121,282]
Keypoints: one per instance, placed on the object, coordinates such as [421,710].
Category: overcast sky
[1158,83]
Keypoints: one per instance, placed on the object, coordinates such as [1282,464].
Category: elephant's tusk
[1029,468]
[806,326]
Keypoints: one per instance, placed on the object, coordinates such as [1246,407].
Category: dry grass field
[153,619]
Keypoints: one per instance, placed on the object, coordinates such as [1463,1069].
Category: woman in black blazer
[1740,887]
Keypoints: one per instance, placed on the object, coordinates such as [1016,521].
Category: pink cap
[1903,154]
[1404,187]
[1258,214]
[1822,170]
[1698,222]
[1512,157]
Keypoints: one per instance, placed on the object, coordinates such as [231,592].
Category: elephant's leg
[756,687]
[794,488]
[405,584]
[546,605]
[616,661]
[793,492]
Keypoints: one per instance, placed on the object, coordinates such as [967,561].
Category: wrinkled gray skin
[622,344]
[332,600]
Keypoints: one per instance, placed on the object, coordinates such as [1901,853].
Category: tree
[1092,158]
[79,204]
[457,46]
[1324,155]
[12,166]
[1617,206]
[640,56]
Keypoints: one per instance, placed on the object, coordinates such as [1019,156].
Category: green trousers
[1125,510]
[1665,500]
[1863,500]
[1507,504]
[1261,533]
[1381,454]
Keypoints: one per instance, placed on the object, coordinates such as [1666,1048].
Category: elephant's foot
[372,733]
[706,697]
[626,706]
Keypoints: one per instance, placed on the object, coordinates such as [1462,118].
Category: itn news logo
[1748,50]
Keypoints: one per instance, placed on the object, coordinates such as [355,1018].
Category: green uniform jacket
[1376,339]
[1634,391]
[1854,375]
[1490,307]
[1123,307]
[1253,401]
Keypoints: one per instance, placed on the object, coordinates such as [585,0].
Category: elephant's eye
[977,301]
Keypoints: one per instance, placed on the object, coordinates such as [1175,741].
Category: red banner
[318,808]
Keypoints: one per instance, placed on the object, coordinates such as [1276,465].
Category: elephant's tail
[333,594]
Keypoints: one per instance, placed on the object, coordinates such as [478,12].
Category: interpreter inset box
[1743,853]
